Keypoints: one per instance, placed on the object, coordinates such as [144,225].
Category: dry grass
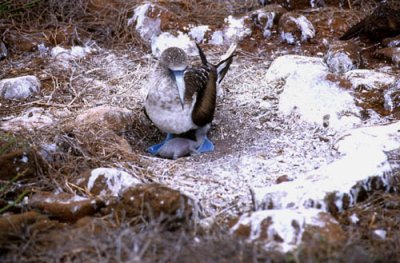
[116,78]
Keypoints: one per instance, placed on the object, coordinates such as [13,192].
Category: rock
[267,17]
[108,181]
[366,80]
[19,163]
[64,55]
[236,29]
[19,42]
[295,28]
[282,179]
[306,91]
[297,4]
[391,41]
[166,40]
[391,53]
[342,57]
[368,87]
[105,117]
[3,51]
[65,206]
[363,168]
[19,87]
[32,119]
[151,19]
[155,201]
[285,229]
[12,226]
[392,98]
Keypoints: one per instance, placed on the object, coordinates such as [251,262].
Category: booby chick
[182,98]
[179,147]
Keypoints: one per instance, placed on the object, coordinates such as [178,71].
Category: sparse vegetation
[67,92]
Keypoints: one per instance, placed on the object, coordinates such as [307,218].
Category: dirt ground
[212,186]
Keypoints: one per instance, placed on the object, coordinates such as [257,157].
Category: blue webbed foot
[206,146]
[156,147]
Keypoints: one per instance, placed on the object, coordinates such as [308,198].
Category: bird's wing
[202,81]
[195,80]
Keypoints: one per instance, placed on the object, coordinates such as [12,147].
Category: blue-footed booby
[182,98]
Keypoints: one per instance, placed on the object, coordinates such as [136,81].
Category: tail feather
[202,55]
[353,31]
[225,63]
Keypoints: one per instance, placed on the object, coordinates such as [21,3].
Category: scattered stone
[391,41]
[305,92]
[392,98]
[334,187]
[369,87]
[380,234]
[12,226]
[299,4]
[295,28]
[365,79]
[20,163]
[391,53]
[154,201]
[282,179]
[285,229]
[166,40]
[236,29]
[267,17]
[19,87]
[3,51]
[342,57]
[65,206]
[108,181]
[151,19]
[19,42]
[63,55]
[32,119]
[105,117]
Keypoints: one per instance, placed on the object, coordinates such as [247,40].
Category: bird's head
[175,60]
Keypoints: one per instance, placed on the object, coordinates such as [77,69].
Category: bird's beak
[180,84]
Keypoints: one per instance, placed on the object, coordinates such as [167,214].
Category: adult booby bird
[182,98]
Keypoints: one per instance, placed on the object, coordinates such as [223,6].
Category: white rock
[363,157]
[116,181]
[380,233]
[198,33]
[342,57]
[365,79]
[107,117]
[19,87]
[285,227]
[392,97]
[296,28]
[61,54]
[354,218]
[32,119]
[236,29]
[217,38]
[146,26]
[306,90]
[166,40]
